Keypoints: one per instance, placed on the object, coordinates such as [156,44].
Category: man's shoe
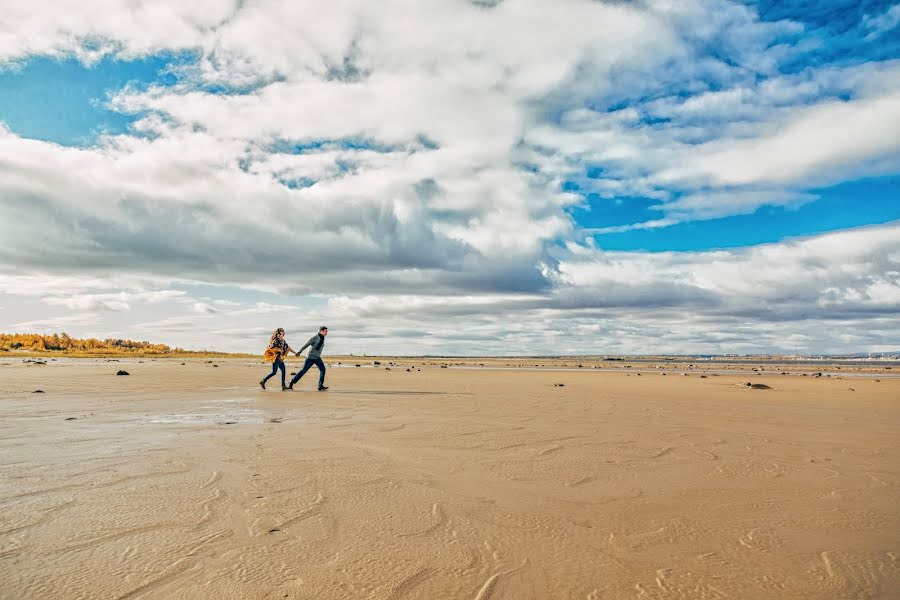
[291,386]
[284,388]
[262,384]
[322,388]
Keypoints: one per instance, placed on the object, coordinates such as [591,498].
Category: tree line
[62,342]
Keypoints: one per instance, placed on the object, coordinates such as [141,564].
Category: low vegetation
[64,345]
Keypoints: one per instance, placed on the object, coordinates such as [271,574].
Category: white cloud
[57,323]
[119,301]
[887,21]
[823,144]
[422,210]
[804,295]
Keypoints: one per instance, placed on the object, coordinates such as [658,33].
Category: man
[315,343]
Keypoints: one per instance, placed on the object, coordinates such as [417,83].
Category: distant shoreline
[758,365]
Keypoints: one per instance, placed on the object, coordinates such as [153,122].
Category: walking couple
[279,349]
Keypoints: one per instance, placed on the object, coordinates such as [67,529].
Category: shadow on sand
[397,392]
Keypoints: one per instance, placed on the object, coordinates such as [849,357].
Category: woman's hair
[275,333]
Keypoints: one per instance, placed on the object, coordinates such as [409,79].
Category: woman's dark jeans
[310,362]
[278,364]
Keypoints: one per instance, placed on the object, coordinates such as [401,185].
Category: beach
[445,479]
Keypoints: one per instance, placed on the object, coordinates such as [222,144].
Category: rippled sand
[188,481]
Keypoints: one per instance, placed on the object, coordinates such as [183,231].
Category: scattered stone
[877,381]
[759,386]
[409,370]
[638,374]
[443,366]
[229,423]
[703,377]
[559,385]
[376,362]
[182,364]
[275,530]
[38,392]
[71,418]
[851,389]
[275,420]
[216,366]
[387,368]
[122,373]
[358,365]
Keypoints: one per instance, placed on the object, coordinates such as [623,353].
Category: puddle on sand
[208,414]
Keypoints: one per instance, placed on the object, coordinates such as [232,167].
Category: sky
[457,177]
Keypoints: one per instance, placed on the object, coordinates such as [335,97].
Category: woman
[276,352]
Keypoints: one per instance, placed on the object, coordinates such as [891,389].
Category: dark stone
[122,373]
[71,418]
[38,392]
[759,386]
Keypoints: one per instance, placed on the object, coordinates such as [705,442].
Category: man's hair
[323,327]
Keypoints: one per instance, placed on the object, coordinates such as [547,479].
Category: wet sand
[188,481]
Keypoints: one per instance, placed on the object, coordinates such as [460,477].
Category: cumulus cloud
[404,177]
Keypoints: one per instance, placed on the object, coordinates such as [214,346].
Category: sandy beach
[188,481]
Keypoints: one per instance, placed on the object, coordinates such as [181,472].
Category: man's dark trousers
[309,363]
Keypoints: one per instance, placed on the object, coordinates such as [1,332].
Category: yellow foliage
[35,342]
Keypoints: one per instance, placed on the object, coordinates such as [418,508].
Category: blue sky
[390,168]
[869,201]
[67,102]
